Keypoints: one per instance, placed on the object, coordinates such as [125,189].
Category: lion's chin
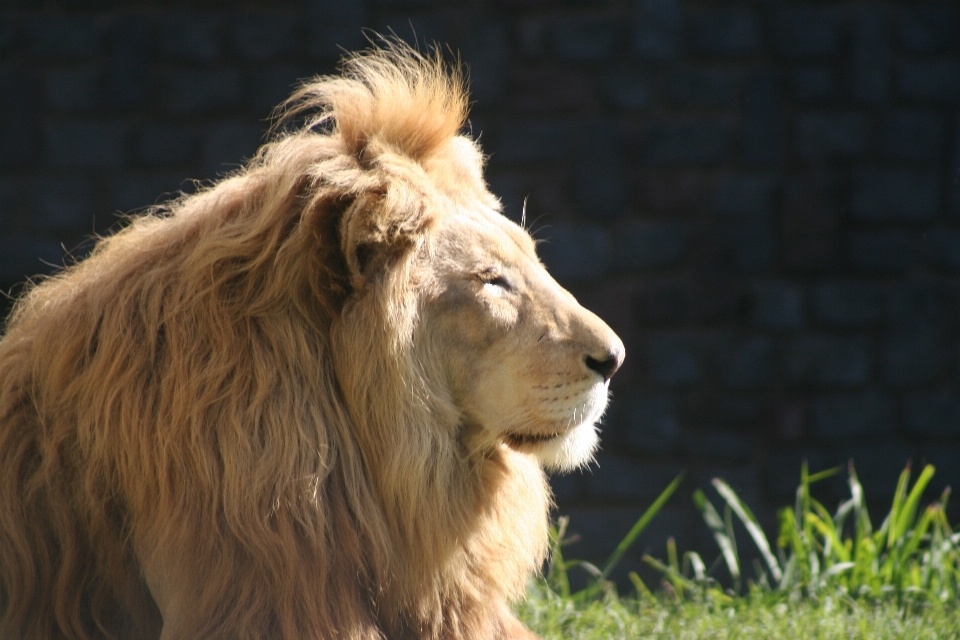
[529,442]
[575,448]
[566,448]
[559,451]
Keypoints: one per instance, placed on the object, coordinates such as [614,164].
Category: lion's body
[253,415]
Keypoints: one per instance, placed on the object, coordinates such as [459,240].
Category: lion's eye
[498,281]
[495,279]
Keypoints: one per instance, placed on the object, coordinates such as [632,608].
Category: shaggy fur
[235,418]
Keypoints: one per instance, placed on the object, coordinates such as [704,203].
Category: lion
[313,400]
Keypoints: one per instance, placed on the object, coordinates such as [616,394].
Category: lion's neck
[476,538]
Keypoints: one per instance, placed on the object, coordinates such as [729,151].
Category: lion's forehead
[485,235]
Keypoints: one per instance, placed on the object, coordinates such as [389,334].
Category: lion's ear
[323,218]
[380,226]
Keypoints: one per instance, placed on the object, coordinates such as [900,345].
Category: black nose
[607,366]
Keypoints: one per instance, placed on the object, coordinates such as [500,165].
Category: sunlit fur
[231,421]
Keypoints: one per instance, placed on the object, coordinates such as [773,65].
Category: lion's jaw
[554,420]
[518,347]
[574,446]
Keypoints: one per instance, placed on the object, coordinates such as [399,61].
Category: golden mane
[414,103]
[209,401]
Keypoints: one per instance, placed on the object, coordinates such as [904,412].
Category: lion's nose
[607,364]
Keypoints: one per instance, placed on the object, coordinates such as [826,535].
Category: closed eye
[498,281]
[494,278]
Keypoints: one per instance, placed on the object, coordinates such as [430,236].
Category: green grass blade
[908,512]
[638,527]
[863,524]
[679,582]
[823,475]
[590,568]
[835,570]
[716,526]
[916,535]
[643,593]
[788,529]
[826,529]
[752,525]
[803,496]
[557,569]
[697,564]
[732,536]
[899,497]
[672,558]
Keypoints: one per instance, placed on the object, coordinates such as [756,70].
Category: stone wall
[760,196]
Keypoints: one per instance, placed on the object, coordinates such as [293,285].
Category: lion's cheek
[495,398]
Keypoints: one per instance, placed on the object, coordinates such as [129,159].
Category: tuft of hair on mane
[394,94]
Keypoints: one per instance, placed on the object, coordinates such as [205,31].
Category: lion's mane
[217,414]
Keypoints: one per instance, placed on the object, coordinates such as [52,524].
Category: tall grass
[556,576]
[911,559]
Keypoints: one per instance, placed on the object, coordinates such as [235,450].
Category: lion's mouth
[524,440]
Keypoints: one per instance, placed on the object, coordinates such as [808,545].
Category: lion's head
[525,365]
[313,399]
[510,356]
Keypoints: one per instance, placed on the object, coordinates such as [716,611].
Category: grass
[608,617]
[828,575]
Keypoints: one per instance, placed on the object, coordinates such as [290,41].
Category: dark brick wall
[761,197]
